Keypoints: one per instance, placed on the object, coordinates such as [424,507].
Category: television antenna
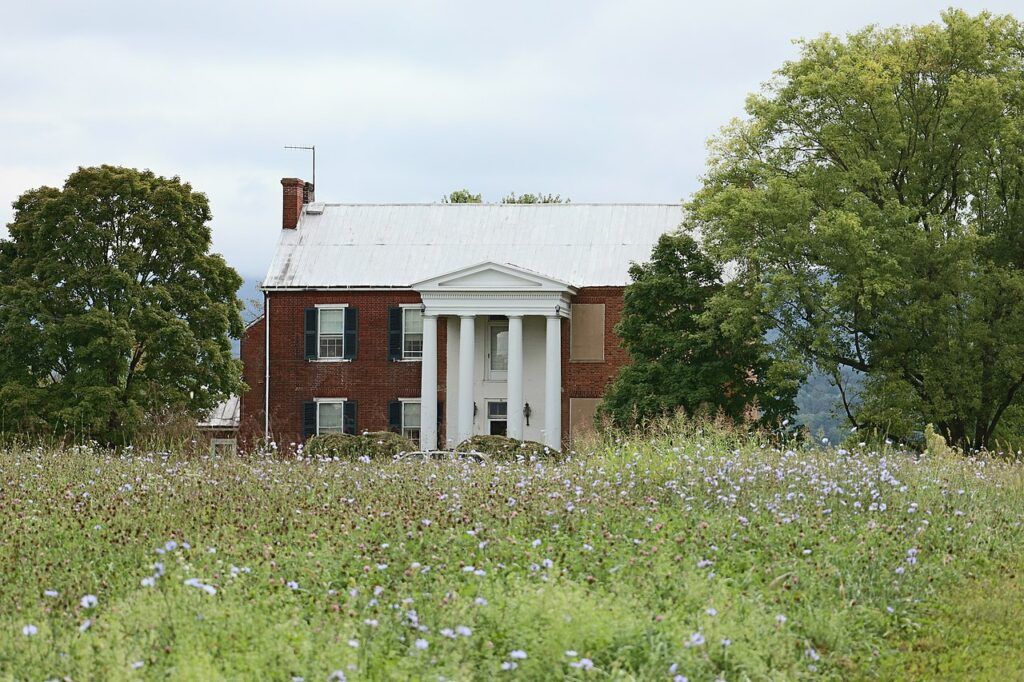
[311,148]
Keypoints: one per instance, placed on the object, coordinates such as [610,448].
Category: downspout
[266,367]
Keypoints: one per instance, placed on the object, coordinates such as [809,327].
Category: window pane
[412,434]
[331,417]
[332,321]
[413,321]
[332,346]
[499,348]
[497,410]
[413,347]
[411,415]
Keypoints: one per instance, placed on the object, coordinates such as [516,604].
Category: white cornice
[548,304]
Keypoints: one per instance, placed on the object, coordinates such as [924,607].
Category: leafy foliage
[113,310]
[373,444]
[539,198]
[873,202]
[463,196]
[682,356]
[505,448]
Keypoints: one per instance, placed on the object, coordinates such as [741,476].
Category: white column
[467,358]
[553,384]
[428,385]
[515,376]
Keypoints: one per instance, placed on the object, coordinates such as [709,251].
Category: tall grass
[694,551]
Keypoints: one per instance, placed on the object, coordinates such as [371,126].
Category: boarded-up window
[581,416]
[586,335]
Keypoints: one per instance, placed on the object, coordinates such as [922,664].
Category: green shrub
[327,445]
[375,445]
[505,448]
[935,444]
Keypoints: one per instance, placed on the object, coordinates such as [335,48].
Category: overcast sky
[405,101]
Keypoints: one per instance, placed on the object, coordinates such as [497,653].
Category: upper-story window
[331,332]
[405,332]
[331,340]
[587,332]
[412,333]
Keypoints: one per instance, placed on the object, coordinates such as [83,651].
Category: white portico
[504,353]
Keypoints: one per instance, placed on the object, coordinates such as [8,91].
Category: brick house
[441,321]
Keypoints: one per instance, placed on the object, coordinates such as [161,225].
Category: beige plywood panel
[586,337]
[581,416]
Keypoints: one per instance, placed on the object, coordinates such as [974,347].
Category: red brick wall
[371,379]
[590,379]
[250,425]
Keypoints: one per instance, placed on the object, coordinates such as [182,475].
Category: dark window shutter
[440,411]
[312,321]
[395,416]
[350,417]
[308,420]
[351,333]
[394,334]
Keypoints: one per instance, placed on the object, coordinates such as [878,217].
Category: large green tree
[112,308]
[872,202]
[682,355]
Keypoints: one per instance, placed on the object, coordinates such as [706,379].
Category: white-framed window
[411,420]
[497,350]
[223,446]
[412,333]
[330,415]
[330,341]
[497,417]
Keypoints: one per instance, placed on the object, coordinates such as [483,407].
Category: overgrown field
[700,557]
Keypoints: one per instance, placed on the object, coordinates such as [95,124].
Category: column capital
[517,316]
[468,316]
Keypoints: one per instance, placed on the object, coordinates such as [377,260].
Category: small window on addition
[226,447]
[497,417]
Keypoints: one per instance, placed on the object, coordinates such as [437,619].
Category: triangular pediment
[491,277]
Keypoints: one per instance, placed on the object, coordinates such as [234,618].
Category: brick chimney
[295,194]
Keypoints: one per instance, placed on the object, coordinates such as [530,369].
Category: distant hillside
[820,410]
[252,297]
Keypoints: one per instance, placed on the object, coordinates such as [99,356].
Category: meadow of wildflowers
[684,557]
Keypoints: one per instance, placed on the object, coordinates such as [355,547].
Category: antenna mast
[310,148]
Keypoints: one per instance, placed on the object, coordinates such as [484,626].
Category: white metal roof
[396,245]
[223,416]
